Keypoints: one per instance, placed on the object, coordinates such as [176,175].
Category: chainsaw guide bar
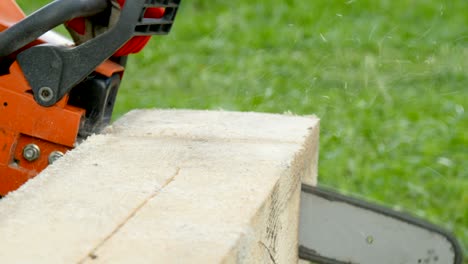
[338,229]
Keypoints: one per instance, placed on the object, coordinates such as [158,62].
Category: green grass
[388,79]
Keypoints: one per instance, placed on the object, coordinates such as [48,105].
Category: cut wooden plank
[168,187]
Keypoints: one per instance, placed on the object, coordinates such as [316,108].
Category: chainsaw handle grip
[45,19]
[68,66]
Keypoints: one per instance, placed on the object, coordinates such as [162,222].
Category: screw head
[31,152]
[54,156]
[46,94]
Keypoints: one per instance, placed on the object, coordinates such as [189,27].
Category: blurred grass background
[388,78]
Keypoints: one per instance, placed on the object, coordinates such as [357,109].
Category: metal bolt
[46,94]
[31,152]
[54,156]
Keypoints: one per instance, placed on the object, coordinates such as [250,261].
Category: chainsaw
[55,92]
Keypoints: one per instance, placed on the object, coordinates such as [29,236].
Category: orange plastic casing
[24,122]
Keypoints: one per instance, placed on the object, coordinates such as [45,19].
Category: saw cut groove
[92,255]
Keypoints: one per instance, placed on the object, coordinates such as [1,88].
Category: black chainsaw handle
[52,71]
[45,19]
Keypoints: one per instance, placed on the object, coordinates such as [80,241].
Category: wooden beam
[168,186]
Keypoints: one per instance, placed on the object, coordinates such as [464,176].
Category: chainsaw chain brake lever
[52,71]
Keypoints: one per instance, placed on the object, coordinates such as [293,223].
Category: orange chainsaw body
[55,95]
[24,122]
